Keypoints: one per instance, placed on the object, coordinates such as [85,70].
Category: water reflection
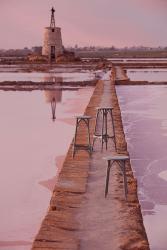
[53,96]
[41,76]
[30,157]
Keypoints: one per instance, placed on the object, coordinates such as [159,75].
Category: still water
[144,116]
[150,75]
[42,76]
[32,149]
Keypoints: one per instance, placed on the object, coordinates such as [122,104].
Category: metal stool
[120,160]
[85,119]
[105,113]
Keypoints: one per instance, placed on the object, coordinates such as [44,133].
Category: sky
[117,23]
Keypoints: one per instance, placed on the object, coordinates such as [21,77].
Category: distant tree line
[37,50]
[93,51]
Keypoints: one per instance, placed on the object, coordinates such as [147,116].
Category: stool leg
[94,139]
[96,124]
[95,130]
[108,177]
[122,163]
[90,147]
[106,132]
[113,127]
[75,137]
[102,133]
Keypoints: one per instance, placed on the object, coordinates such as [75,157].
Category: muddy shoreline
[60,228]
[129,82]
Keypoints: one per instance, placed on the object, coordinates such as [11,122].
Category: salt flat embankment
[121,78]
[79,217]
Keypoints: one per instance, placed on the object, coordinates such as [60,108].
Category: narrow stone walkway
[79,217]
[96,216]
[104,222]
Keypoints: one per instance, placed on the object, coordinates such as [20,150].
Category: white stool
[121,161]
[85,119]
[103,113]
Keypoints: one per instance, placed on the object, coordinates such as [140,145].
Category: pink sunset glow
[105,23]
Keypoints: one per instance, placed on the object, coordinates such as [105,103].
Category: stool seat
[116,158]
[102,108]
[83,117]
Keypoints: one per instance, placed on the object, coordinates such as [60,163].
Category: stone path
[105,223]
[79,216]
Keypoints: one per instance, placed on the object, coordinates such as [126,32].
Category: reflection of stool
[103,133]
[85,119]
[121,160]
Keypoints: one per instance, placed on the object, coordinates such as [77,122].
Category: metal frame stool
[121,161]
[85,119]
[103,134]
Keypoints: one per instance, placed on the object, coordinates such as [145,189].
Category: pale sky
[85,22]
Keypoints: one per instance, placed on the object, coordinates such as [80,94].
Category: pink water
[40,76]
[150,75]
[144,116]
[32,147]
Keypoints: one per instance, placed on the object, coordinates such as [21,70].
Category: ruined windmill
[52,46]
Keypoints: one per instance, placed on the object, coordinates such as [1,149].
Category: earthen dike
[79,216]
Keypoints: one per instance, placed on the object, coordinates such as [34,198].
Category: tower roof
[52,20]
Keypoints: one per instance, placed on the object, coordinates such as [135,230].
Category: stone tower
[52,46]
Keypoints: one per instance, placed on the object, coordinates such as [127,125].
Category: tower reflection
[54,96]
